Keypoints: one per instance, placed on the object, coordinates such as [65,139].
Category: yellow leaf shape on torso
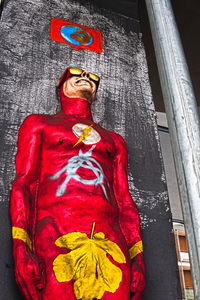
[87,263]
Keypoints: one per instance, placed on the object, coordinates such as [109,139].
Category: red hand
[29,272]
[138,277]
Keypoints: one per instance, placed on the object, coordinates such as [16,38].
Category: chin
[87,95]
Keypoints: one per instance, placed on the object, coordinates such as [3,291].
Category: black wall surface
[30,66]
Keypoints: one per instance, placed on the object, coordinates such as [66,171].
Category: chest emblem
[86,134]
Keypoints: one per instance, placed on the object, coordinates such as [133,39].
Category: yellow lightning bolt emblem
[84,135]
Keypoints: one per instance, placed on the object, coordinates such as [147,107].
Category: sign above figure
[76,35]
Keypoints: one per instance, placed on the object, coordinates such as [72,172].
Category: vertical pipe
[181,110]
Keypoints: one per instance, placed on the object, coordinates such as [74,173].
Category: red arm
[28,268]
[129,218]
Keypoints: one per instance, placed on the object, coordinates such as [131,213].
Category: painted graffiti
[86,161]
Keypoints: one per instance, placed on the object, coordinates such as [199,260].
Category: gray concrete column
[181,110]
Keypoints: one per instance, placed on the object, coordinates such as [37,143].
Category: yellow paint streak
[21,234]
[84,135]
[136,249]
[92,231]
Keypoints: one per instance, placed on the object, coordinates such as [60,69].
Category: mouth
[83,81]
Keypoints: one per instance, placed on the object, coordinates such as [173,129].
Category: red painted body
[45,146]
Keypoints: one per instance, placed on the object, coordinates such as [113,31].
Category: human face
[81,84]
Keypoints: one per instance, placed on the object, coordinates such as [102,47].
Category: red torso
[81,204]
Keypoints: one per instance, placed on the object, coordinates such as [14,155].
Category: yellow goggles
[78,72]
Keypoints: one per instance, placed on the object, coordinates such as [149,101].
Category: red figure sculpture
[76,230]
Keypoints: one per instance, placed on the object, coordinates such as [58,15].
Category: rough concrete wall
[30,66]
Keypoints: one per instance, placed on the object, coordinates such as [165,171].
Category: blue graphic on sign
[76,35]
[83,160]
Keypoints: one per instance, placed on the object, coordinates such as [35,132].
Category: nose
[85,74]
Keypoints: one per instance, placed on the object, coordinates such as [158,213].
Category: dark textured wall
[30,66]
